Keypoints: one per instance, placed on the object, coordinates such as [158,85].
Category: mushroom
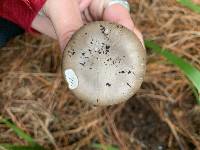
[104,63]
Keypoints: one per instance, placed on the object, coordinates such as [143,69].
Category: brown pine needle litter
[162,115]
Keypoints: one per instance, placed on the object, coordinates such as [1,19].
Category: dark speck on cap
[83,63]
[107,46]
[122,72]
[128,84]
[108,84]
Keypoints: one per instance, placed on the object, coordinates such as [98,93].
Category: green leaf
[18,147]
[189,4]
[18,131]
[104,147]
[192,73]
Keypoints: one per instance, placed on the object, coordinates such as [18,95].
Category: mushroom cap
[104,63]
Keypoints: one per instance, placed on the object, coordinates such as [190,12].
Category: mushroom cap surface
[104,63]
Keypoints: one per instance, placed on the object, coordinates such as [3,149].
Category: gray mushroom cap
[104,63]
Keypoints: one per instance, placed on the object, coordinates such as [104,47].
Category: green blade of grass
[18,147]
[192,73]
[189,4]
[18,131]
[104,147]
[33,145]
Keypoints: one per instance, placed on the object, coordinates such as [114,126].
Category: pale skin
[64,17]
[196,1]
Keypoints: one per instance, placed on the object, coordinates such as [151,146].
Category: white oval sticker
[71,78]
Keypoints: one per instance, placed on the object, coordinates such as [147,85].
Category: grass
[104,147]
[18,131]
[21,134]
[192,73]
[32,144]
[19,147]
[189,4]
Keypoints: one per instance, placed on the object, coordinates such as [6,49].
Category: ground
[162,115]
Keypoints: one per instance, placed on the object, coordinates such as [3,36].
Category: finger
[139,35]
[84,19]
[96,8]
[119,14]
[87,15]
[196,1]
[44,25]
[83,4]
[66,18]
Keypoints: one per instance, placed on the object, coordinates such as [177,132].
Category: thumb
[119,14]
[65,17]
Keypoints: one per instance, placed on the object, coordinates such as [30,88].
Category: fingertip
[128,23]
[118,14]
[139,35]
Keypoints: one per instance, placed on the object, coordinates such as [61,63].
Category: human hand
[196,1]
[62,18]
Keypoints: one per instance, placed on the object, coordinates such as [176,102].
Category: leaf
[191,5]
[192,73]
